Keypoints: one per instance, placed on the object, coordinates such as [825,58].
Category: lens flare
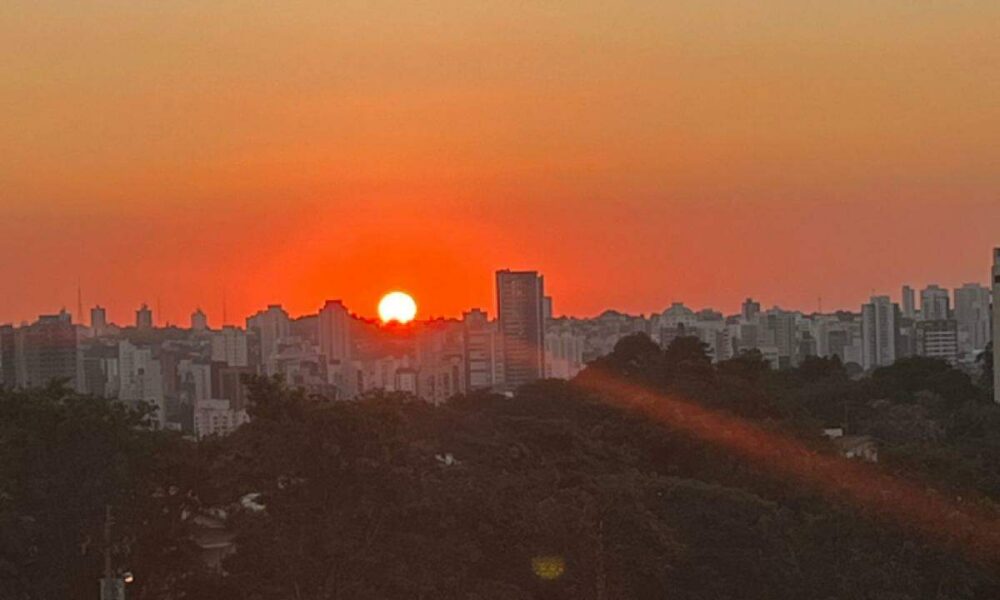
[548,567]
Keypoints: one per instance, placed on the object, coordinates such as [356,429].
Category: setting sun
[397,306]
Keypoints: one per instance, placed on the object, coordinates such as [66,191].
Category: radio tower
[79,301]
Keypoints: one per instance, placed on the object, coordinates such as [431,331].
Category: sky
[637,153]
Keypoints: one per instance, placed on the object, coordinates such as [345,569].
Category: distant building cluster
[193,376]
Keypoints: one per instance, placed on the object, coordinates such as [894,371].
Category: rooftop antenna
[224,319]
[821,305]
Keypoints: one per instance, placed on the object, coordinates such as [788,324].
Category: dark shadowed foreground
[654,474]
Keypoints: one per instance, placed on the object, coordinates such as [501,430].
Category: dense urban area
[686,454]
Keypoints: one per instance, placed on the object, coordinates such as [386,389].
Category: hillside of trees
[654,474]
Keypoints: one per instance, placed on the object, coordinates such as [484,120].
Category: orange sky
[637,153]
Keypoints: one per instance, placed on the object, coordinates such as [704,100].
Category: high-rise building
[98,320]
[938,339]
[141,378]
[934,303]
[779,331]
[996,325]
[45,351]
[270,326]
[521,325]
[199,322]
[908,302]
[144,317]
[335,332]
[879,332]
[750,309]
[972,312]
[547,307]
[230,346]
[482,351]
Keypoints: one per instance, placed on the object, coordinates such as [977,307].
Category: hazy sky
[636,152]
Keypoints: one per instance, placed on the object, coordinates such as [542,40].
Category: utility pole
[112,587]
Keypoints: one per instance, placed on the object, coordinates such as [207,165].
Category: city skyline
[181,316]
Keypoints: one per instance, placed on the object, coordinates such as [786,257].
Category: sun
[397,306]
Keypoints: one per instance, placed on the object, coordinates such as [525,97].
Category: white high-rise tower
[996,325]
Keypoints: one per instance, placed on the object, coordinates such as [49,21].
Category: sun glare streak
[975,528]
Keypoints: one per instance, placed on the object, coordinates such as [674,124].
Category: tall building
[199,322]
[750,309]
[45,351]
[934,303]
[547,307]
[521,325]
[270,326]
[230,346]
[996,325]
[98,320]
[335,332]
[879,332]
[908,302]
[482,351]
[144,317]
[141,378]
[972,312]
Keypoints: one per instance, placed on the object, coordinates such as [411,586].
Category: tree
[985,362]
[66,458]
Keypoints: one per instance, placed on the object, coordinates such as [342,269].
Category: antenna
[224,319]
[79,301]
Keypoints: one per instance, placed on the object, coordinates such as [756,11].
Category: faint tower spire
[225,320]
[79,301]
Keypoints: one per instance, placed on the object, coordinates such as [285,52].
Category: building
[972,312]
[482,351]
[334,332]
[144,317]
[216,417]
[563,352]
[141,378]
[522,326]
[230,346]
[270,326]
[45,351]
[779,330]
[996,324]
[199,322]
[908,302]
[938,339]
[934,304]
[750,310]
[879,332]
[98,320]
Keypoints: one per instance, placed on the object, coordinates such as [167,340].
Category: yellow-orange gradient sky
[635,152]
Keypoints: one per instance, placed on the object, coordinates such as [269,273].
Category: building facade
[879,332]
[522,326]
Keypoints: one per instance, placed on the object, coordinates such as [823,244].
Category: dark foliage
[551,494]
